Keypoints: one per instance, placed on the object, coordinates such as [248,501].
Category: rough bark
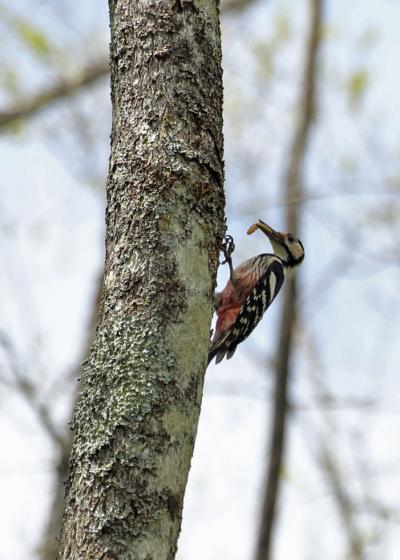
[293,190]
[136,419]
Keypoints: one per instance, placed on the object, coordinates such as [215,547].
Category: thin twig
[22,383]
[228,6]
[327,460]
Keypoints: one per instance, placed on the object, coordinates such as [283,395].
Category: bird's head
[286,246]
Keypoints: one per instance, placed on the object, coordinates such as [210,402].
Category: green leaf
[267,49]
[15,127]
[34,39]
[283,29]
[9,81]
[356,86]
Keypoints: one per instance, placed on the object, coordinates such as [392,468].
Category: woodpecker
[251,289]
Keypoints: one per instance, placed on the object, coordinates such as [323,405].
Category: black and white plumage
[251,289]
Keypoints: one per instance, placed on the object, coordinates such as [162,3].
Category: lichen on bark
[136,419]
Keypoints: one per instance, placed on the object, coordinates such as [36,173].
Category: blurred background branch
[65,87]
[69,85]
[292,187]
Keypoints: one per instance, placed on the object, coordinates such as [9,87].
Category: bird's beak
[273,236]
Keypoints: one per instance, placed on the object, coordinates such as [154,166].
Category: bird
[251,289]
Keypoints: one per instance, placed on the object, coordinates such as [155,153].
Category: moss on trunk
[136,419]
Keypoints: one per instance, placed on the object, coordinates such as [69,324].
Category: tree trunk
[136,419]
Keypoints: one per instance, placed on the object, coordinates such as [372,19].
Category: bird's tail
[219,351]
[212,353]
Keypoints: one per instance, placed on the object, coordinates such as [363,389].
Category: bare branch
[65,87]
[86,76]
[344,502]
[229,6]
[293,190]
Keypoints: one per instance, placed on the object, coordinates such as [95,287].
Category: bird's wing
[260,298]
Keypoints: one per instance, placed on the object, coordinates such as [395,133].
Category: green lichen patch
[121,381]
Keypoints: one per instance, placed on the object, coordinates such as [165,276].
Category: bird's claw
[227,248]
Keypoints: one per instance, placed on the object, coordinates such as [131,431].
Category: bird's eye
[291,237]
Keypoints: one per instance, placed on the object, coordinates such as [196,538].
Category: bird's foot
[227,248]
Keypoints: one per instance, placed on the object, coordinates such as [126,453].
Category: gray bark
[136,419]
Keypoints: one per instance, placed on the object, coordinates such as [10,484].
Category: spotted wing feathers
[260,298]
